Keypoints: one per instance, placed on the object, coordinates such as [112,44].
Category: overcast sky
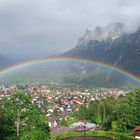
[44,27]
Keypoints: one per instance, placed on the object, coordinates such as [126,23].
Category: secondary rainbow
[59,58]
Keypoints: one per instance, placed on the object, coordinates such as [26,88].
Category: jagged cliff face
[110,44]
[107,33]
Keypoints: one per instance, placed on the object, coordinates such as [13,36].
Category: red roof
[78,99]
[137,128]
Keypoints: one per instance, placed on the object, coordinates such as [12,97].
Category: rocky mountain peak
[111,31]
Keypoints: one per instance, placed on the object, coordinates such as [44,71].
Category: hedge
[108,134]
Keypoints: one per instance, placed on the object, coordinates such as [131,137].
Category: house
[53,121]
[82,126]
[137,132]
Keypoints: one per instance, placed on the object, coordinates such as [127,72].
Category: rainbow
[54,58]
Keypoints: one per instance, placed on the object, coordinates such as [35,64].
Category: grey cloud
[38,28]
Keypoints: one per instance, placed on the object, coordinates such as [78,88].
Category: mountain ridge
[122,52]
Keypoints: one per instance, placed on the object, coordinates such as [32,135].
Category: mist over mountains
[110,44]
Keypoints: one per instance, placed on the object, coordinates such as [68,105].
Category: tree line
[122,114]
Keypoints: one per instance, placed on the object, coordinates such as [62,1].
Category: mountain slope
[69,73]
[110,44]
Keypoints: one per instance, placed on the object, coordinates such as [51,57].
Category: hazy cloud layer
[42,27]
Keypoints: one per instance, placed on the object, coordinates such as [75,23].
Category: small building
[53,122]
[137,131]
[82,126]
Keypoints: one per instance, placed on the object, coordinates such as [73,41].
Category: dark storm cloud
[43,27]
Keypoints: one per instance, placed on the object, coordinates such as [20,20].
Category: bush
[35,134]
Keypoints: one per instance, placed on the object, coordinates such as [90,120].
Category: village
[59,104]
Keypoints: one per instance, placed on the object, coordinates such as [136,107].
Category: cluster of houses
[59,103]
[5,91]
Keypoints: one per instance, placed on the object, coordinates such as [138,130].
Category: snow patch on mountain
[110,32]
